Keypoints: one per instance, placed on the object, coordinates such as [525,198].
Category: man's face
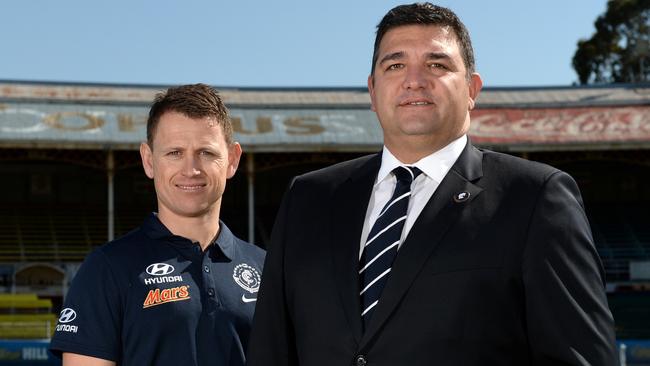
[420,89]
[189,163]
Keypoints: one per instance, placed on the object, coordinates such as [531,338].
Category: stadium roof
[97,116]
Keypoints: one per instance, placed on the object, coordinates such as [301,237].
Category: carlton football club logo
[247,278]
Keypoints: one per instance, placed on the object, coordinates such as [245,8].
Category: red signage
[560,125]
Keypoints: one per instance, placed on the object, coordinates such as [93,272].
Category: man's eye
[207,153]
[395,67]
[436,65]
[174,153]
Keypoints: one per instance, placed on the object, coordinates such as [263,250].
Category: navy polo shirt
[154,298]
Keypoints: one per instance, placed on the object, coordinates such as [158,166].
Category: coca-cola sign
[561,125]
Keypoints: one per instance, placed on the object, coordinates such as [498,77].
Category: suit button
[361,360]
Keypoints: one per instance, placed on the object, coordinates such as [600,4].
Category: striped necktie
[381,246]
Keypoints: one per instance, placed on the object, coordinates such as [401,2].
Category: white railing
[32,329]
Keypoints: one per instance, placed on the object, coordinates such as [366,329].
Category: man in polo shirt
[181,288]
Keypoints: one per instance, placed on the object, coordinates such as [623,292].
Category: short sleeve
[91,320]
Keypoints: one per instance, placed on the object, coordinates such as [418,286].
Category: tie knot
[406,174]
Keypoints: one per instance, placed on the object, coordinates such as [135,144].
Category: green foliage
[619,51]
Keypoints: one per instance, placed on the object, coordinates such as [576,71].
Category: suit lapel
[350,203]
[426,233]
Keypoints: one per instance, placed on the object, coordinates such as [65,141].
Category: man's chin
[191,212]
[419,130]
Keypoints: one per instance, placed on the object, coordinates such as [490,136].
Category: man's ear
[475,85]
[147,159]
[234,154]
[371,91]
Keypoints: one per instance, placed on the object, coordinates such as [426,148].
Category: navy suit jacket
[508,276]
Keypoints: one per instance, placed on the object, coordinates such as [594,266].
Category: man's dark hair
[194,101]
[425,14]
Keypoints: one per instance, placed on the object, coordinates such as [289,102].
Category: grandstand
[25,316]
[76,180]
[623,235]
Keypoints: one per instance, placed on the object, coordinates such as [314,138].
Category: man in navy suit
[495,262]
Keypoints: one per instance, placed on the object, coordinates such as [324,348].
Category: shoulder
[125,246]
[110,266]
[508,168]
[250,250]
[334,175]
[526,167]
[340,170]
[119,258]
[237,249]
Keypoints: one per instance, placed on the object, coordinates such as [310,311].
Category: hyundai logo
[67,315]
[160,269]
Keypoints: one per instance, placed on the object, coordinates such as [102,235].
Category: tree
[619,51]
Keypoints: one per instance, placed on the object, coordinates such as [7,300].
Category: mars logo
[247,277]
[67,315]
[159,297]
[160,269]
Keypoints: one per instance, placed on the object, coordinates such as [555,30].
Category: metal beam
[250,177]
[110,172]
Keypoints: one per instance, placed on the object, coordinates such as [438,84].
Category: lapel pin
[461,197]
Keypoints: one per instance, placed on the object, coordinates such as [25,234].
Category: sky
[279,43]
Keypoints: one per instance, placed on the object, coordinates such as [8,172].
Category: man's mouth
[415,102]
[190,187]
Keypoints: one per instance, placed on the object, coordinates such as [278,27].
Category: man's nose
[414,78]
[191,166]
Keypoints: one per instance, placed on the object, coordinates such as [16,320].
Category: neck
[413,150]
[410,149]
[202,229]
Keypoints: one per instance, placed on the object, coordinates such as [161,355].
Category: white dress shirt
[434,168]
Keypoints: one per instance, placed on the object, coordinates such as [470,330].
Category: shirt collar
[226,241]
[156,230]
[435,166]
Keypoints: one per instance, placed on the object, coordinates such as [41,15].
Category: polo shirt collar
[226,241]
[156,230]
[435,166]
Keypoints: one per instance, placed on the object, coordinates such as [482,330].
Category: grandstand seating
[45,234]
[631,312]
[17,297]
[57,235]
[621,233]
[25,316]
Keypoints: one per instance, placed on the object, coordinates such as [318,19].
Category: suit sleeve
[272,338]
[568,319]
